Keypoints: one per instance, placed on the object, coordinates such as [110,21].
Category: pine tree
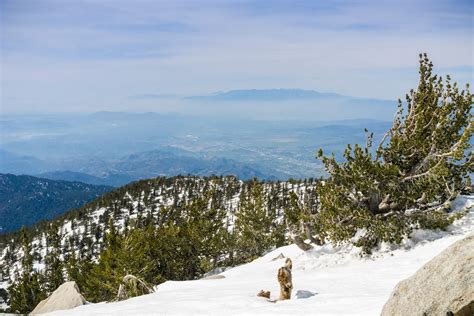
[300,223]
[104,278]
[72,266]
[26,291]
[208,229]
[419,167]
[54,269]
[80,271]
[200,236]
[253,226]
[140,254]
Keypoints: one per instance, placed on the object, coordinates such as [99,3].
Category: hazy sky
[96,55]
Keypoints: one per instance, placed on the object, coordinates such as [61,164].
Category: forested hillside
[26,200]
[199,224]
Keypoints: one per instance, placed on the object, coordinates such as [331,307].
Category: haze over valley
[114,148]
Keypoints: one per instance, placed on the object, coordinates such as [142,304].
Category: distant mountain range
[179,162]
[290,104]
[268,95]
[122,170]
[26,200]
[11,162]
[114,180]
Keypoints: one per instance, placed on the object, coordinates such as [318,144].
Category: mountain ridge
[166,161]
[26,200]
[282,94]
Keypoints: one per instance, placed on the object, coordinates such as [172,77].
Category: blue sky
[93,55]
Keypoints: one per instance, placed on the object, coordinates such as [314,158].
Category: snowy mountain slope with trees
[165,210]
[398,195]
[327,280]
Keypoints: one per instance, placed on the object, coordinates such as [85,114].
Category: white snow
[328,280]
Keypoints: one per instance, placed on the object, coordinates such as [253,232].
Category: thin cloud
[89,54]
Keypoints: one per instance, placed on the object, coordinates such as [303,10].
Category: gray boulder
[443,286]
[66,296]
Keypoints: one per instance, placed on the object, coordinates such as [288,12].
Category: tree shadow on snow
[304,294]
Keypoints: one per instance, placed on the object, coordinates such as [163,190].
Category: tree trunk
[301,244]
[309,234]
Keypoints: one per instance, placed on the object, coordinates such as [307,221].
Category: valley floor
[327,280]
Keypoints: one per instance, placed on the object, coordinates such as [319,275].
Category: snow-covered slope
[327,280]
[82,230]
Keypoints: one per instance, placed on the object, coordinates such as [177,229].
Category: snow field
[327,280]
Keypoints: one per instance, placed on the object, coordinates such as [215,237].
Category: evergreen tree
[253,226]
[72,266]
[301,224]
[200,237]
[206,228]
[105,277]
[140,254]
[26,291]
[54,269]
[80,271]
[421,164]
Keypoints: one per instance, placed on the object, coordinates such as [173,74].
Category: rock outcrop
[443,286]
[66,296]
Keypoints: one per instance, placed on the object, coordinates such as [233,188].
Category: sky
[84,56]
